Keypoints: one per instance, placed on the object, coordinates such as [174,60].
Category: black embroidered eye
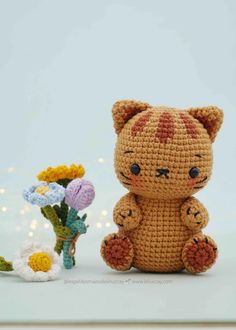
[194,172]
[135,169]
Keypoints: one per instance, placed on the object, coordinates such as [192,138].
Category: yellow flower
[62,172]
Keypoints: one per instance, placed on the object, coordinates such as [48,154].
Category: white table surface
[92,293]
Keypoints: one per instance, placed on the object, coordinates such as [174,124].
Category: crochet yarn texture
[162,156]
[79,195]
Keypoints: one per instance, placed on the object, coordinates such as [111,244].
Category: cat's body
[159,239]
[162,156]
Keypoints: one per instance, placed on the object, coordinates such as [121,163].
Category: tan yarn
[162,156]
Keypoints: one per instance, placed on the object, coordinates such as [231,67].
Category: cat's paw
[127,217]
[194,215]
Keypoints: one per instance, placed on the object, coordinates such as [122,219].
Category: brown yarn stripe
[139,125]
[165,127]
[189,124]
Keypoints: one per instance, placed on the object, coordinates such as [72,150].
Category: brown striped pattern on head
[189,125]
[165,128]
[139,125]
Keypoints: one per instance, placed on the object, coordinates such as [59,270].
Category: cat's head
[162,152]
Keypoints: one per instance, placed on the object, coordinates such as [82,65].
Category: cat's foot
[117,251]
[199,253]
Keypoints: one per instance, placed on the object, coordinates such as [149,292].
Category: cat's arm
[193,214]
[127,214]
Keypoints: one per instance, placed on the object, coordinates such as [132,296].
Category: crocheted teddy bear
[163,156]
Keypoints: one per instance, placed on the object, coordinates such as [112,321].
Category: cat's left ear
[211,118]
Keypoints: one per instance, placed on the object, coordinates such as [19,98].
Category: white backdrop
[62,66]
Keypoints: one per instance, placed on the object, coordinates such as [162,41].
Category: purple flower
[79,194]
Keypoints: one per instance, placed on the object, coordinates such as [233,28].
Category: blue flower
[43,194]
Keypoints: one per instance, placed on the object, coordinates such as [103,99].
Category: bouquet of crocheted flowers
[61,194]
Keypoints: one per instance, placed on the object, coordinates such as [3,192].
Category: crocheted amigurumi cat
[163,156]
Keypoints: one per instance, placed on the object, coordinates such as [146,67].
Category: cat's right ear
[210,117]
[123,111]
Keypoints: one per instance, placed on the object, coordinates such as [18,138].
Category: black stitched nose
[163,171]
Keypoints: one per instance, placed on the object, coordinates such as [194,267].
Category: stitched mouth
[161,174]
[201,181]
[162,171]
[122,173]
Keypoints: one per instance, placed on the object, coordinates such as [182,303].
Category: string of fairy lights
[31,218]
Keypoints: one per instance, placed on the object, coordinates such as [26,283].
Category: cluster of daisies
[61,193]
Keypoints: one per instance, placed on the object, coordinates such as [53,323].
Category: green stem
[64,212]
[5,266]
[51,215]
[58,246]
[72,215]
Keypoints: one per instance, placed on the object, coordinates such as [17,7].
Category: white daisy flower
[37,262]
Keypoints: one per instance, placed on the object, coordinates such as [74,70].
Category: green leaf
[64,182]
[5,266]
[64,212]
[57,210]
[84,217]
[43,213]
